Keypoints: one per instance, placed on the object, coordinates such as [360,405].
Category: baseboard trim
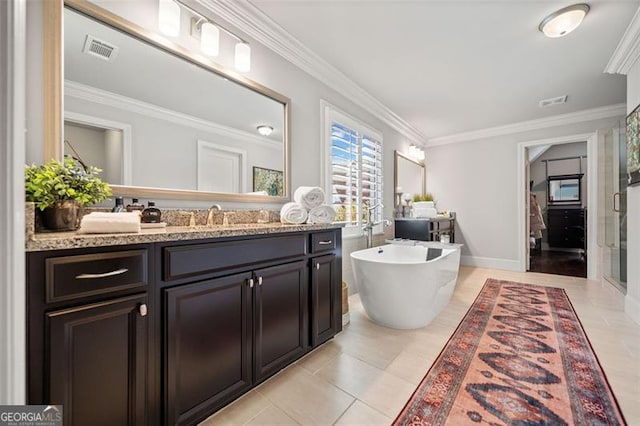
[632,308]
[490,262]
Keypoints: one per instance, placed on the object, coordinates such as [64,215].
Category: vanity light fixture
[209,32]
[209,39]
[563,21]
[265,130]
[243,57]
[416,152]
[169,18]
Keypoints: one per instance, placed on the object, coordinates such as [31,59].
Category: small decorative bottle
[119,207]
[151,214]
[135,206]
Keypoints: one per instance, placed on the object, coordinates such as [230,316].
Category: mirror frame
[556,178]
[53,97]
[399,156]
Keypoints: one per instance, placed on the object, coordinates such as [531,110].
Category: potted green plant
[60,189]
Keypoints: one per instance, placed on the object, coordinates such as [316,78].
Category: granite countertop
[67,240]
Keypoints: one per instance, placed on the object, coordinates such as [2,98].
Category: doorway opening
[564,174]
[557,209]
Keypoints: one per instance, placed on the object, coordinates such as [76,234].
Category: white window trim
[330,113]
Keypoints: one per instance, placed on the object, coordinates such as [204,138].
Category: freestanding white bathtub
[399,288]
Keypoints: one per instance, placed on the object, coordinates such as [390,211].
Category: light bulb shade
[243,57]
[563,21]
[210,39]
[265,130]
[169,18]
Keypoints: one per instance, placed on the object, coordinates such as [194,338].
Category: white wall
[478,180]
[632,305]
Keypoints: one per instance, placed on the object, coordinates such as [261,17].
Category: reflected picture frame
[633,147]
[268,180]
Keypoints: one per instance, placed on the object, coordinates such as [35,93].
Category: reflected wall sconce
[416,152]
[209,31]
[265,130]
[563,21]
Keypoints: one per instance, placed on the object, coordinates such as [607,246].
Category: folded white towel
[110,223]
[293,213]
[309,196]
[322,214]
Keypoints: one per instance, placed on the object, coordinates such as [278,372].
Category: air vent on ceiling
[552,101]
[100,48]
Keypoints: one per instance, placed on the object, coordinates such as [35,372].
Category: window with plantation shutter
[354,177]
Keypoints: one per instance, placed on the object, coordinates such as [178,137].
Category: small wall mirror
[160,120]
[409,177]
[564,189]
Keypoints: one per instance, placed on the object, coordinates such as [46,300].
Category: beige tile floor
[365,374]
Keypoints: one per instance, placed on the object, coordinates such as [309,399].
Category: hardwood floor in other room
[559,262]
[365,375]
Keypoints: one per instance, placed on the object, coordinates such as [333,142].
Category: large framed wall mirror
[160,120]
[409,177]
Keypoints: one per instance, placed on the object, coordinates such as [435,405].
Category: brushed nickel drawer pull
[106,274]
[143,310]
[317,266]
[325,243]
[250,281]
[259,280]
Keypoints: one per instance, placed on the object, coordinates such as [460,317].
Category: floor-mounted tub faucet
[368,227]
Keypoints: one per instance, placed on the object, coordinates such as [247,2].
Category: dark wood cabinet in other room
[566,227]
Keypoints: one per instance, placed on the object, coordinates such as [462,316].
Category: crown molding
[252,21]
[525,126]
[103,97]
[628,50]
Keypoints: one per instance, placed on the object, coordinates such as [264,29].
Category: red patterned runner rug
[519,357]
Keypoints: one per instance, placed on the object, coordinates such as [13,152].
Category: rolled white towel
[110,223]
[293,213]
[309,196]
[322,214]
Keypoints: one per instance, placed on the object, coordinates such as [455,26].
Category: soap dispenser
[151,214]
[135,206]
[119,207]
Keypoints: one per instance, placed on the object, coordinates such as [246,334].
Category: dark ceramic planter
[62,216]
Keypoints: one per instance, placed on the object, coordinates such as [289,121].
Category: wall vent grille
[100,48]
[552,101]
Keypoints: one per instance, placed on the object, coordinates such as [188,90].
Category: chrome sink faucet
[213,208]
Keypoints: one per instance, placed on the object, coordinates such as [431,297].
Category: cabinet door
[97,362]
[208,346]
[281,317]
[324,299]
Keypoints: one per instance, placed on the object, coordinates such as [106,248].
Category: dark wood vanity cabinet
[88,331]
[168,333]
[208,346]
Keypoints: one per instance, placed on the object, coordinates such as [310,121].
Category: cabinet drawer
[322,241]
[73,277]
[199,259]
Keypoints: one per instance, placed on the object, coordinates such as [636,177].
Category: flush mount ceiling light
[563,21]
[265,130]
